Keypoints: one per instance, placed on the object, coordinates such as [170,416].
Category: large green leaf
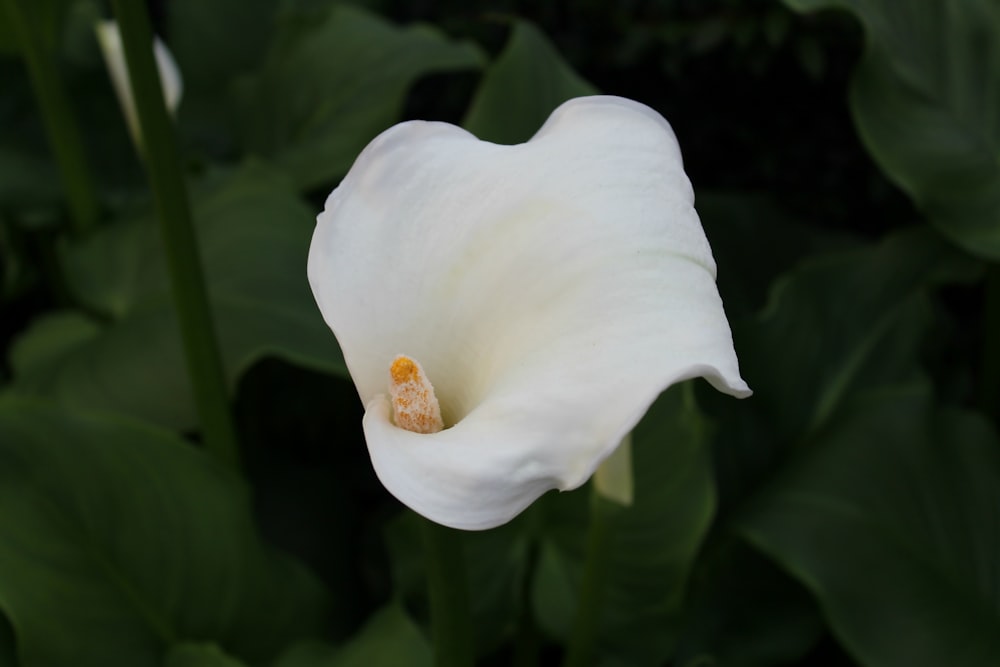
[744,611]
[838,323]
[9,42]
[891,518]
[120,539]
[327,90]
[733,221]
[389,639]
[26,178]
[843,321]
[213,42]
[519,91]
[653,543]
[199,654]
[46,20]
[925,100]
[254,234]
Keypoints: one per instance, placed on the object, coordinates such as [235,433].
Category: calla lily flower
[110,39]
[509,313]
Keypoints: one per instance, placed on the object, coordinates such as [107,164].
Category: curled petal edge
[476,476]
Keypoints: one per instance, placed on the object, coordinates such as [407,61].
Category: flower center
[414,404]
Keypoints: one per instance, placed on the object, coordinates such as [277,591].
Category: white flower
[548,292]
[110,39]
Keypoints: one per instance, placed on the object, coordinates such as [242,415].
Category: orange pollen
[414,405]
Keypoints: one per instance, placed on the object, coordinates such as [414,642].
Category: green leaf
[733,221]
[120,540]
[254,235]
[46,18]
[9,42]
[890,518]
[28,175]
[327,91]
[389,639]
[27,178]
[744,611]
[843,321]
[654,542]
[519,91]
[53,334]
[191,654]
[212,42]
[839,323]
[924,99]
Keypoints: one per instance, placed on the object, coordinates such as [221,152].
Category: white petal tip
[614,478]
[110,40]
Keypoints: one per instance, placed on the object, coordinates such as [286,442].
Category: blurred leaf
[654,542]
[838,323]
[495,563]
[28,176]
[120,539]
[46,17]
[733,222]
[27,179]
[890,517]
[521,88]
[214,41]
[745,612]
[843,321]
[389,639]
[192,654]
[254,235]
[925,99]
[324,93]
[9,44]
[53,334]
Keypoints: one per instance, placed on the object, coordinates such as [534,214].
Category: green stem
[451,625]
[163,166]
[527,641]
[586,625]
[989,381]
[60,125]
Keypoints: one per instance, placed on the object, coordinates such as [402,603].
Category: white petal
[551,290]
[110,40]
[170,75]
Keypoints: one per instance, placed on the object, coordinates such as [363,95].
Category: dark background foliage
[847,514]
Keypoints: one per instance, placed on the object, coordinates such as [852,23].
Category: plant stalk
[451,624]
[166,177]
[989,381]
[60,125]
[527,642]
[586,626]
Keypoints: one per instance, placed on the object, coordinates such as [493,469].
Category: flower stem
[586,625]
[60,125]
[451,625]
[989,382]
[163,167]
[527,641]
